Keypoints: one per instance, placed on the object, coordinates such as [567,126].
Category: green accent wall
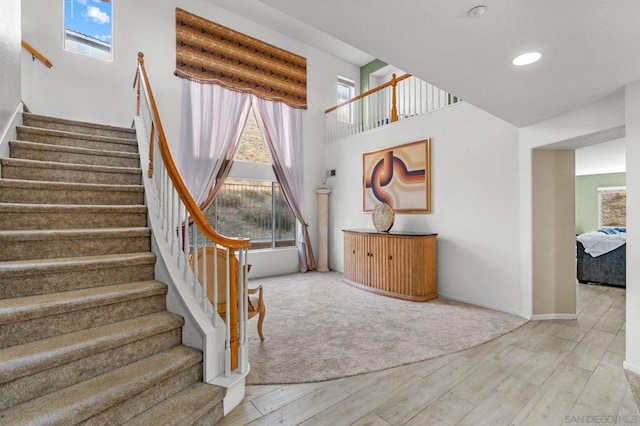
[587,198]
[365,72]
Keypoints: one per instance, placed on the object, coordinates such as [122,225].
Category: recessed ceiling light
[477,11]
[527,58]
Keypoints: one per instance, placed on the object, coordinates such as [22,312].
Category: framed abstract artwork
[399,176]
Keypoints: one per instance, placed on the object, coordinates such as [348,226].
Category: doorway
[554,211]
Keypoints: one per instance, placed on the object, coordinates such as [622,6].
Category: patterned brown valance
[211,53]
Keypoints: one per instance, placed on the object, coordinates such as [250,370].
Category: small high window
[88,28]
[346,91]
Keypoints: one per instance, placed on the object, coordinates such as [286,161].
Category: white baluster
[215,285]
[186,245]
[180,233]
[157,180]
[205,276]
[165,204]
[242,291]
[416,95]
[194,244]
[172,228]
[227,371]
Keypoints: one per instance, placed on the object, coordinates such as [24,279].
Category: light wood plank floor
[545,373]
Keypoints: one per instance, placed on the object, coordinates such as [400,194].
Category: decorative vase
[383,217]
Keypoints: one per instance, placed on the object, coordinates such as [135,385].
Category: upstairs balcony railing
[400,98]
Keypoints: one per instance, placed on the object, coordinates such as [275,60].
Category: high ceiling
[590,48]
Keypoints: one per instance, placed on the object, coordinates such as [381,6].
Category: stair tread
[32,357]
[52,234]
[29,307]
[29,115]
[183,408]
[20,183]
[43,208]
[73,149]
[75,135]
[60,264]
[20,162]
[86,399]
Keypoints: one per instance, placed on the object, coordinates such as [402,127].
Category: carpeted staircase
[85,336]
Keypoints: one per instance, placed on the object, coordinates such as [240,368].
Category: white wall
[606,157]
[474,203]
[632,358]
[10,66]
[88,89]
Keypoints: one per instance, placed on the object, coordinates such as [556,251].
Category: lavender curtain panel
[281,127]
[212,121]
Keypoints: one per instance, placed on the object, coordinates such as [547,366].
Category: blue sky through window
[89,17]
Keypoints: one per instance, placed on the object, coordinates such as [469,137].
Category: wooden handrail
[36,55]
[194,211]
[393,82]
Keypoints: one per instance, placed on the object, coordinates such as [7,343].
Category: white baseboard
[633,368]
[482,305]
[554,317]
[9,131]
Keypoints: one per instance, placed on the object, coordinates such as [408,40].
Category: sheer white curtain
[212,121]
[281,127]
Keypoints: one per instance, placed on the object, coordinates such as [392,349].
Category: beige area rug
[634,383]
[319,328]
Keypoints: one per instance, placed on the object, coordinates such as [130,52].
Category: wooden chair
[255,303]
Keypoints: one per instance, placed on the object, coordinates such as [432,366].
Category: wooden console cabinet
[395,264]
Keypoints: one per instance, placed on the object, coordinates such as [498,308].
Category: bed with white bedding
[602,256]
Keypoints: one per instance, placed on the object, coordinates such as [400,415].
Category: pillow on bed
[613,231]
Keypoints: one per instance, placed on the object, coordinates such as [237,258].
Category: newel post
[394,108]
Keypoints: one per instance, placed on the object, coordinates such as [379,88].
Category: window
[88,28]
[346,91]
[612,206]
[251,203]
[254,209]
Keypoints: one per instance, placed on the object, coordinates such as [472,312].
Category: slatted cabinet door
[361,258]
[423,270]
[398,274]
[377,251]
[350,254]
